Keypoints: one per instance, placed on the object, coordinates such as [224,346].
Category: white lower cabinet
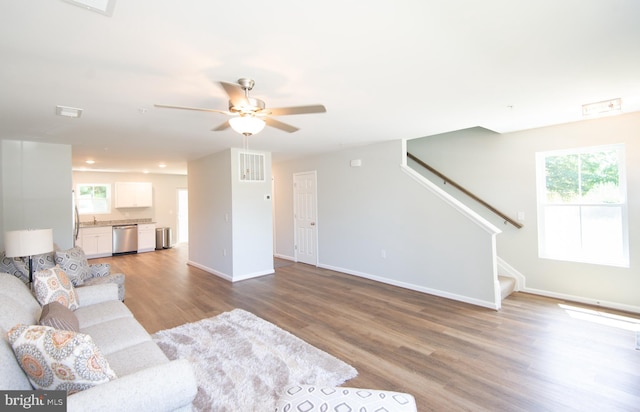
[96,241]
[146,237]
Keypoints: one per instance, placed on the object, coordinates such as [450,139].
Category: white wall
[362,211]
[165,196]
[230,222]
[36,189]
[500,168]
[252,222]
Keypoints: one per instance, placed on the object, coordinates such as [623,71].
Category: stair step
[507,285]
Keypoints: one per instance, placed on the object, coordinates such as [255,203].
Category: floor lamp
[22,243]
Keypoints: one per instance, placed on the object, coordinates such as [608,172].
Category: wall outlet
[383,254]
[224,252]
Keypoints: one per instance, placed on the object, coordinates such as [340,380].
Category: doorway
[305,217]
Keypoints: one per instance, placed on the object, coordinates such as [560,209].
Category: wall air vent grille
[251,167]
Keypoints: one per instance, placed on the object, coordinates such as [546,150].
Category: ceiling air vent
[602,108]
[68,111]
[251,167]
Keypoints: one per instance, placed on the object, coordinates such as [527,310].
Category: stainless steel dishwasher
[125,239]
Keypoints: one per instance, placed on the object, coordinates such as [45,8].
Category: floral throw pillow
[74,262]
[59,359]
[53,285]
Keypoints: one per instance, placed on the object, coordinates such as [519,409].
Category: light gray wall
[230,222]
[500,168]
[210,208]
[165,196]
[364,210]
[36,189]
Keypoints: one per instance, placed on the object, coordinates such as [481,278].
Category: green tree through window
[582,210]
[93,198]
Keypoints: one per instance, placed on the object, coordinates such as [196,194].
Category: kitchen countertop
[103,223]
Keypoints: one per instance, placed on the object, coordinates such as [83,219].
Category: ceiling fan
[249,115]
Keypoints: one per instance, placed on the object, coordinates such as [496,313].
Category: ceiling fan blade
[223,126]
[280,125]
[235,93]
[166,106]
[284,111]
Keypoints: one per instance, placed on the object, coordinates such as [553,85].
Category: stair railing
[446,180]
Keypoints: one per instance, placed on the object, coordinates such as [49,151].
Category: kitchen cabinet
[96,241]
[146,237]
[133,194]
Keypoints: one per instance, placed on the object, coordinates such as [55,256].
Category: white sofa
[146,379]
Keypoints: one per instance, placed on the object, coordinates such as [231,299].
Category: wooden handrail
[446,180]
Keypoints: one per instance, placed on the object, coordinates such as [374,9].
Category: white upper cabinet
[133,194]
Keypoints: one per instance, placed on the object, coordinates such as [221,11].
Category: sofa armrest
[164,387]
[92,294]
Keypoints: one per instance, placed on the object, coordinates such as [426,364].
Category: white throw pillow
[53,285]
[59,359]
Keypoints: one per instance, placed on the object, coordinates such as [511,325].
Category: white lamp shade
[20,243]
[246,125]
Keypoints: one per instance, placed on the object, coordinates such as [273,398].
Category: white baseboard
[418,288]
[580,299]
[285,257]
[229,277]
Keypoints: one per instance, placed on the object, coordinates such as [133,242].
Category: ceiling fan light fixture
[247,125]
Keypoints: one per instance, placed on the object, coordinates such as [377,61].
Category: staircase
[507,285]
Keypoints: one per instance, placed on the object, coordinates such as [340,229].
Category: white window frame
[91,206]
[580,254]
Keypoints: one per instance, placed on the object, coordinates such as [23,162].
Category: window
[93,198]
[582,206]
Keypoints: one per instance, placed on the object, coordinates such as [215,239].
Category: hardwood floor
[536,354]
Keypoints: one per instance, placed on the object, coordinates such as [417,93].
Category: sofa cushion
[74,262]
[59,316]
[53,285]
[103,312]
[135,358]
[117,334]
[58,359]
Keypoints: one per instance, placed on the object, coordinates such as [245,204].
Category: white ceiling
[384,69]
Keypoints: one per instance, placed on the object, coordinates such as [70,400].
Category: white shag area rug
[243,362]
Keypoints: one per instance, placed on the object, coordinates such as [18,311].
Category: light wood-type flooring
[536,354]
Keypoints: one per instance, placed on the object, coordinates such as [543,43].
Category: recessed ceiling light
[162,165]
[90,161]
[68,111]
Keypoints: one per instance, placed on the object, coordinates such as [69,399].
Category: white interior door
[305,216]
